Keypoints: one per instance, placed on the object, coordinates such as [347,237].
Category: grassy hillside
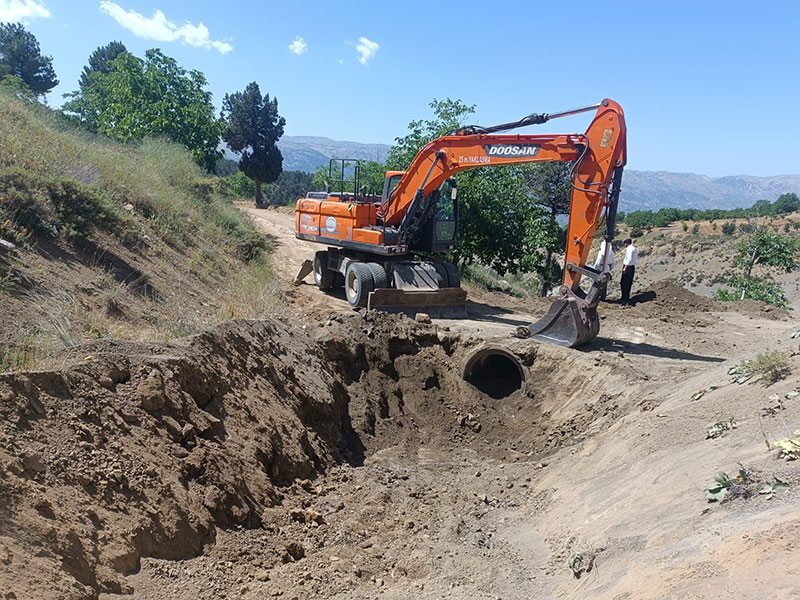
[129,241]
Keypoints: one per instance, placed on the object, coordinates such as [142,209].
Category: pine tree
[100,61]
[254,127]
[21,57]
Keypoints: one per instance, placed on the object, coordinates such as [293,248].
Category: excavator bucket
[571,321]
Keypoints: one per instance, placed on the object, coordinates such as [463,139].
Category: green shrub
[772,366]
[729,228]
[60,205]
[696,228]
[239,185]
[637,232]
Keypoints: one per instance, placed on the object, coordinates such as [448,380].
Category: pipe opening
[494,372]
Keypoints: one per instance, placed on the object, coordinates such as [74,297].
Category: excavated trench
[160,446]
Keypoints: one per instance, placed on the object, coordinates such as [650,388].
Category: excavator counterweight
[372,238]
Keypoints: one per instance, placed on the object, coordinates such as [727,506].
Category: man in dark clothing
[628,270]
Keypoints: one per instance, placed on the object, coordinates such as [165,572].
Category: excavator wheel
[441,273]
[323,276]
[358,283]
[453,278]
[378,275]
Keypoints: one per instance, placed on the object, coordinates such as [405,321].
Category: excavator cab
[439,234]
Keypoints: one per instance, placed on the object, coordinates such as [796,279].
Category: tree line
[643,219]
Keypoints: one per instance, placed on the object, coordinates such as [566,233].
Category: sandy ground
[335,455]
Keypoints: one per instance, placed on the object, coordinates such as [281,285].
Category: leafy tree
[253,128]
[550,186]
[501,226]
[450,115]
[17,87]
[21,57]
[151,97]
[102,61]
[501,223]
[769,251]
[785,204]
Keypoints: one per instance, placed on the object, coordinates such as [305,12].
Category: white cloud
[161,29]
[15,11]
[366,49]
[298,46]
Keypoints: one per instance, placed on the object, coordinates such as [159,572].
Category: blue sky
[708,87]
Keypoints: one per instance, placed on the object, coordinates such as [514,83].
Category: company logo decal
[511,150]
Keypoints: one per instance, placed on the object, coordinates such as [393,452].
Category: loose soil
[333,454]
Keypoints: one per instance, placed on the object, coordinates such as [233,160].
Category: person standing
[598,265]
[628,270]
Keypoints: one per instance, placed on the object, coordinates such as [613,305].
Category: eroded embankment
[144,451]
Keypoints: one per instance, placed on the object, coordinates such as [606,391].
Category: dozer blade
[442,303]
[570,322]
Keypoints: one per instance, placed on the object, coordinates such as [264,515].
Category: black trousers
[626,282]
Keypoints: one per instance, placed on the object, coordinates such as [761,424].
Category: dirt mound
[127,455]
[667,297]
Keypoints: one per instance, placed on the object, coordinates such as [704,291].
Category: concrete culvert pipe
[495,372]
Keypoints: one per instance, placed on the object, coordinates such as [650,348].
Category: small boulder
[150,392]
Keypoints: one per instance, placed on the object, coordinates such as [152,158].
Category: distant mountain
[305,153]
[641,190]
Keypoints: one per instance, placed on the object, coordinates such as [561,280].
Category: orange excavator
[372,239]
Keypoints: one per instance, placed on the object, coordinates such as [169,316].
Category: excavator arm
[598,155]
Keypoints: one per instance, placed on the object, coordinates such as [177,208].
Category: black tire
[453,278]
[378,275]
[358,283]
[323,276]
[441,271]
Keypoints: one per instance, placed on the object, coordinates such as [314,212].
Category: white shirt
[598,263]
[631,256]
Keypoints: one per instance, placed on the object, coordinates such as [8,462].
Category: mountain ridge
[641,190]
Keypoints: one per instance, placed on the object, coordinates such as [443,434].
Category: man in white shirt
[628,270]
[598,264]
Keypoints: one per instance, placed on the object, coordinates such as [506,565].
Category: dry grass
[65,184]
[772,366]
